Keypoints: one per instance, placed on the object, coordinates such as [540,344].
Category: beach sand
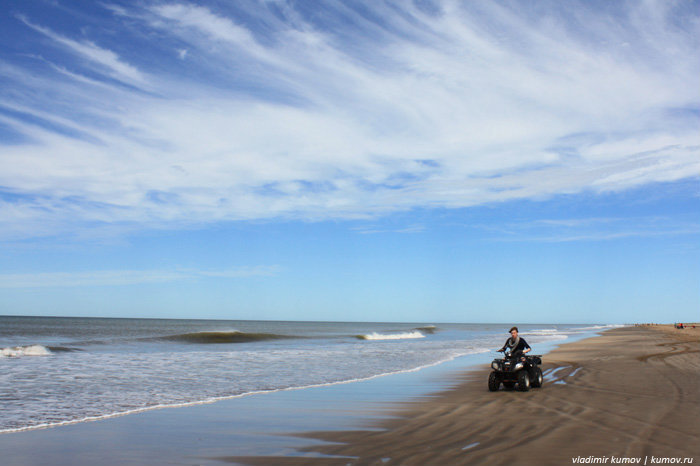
[630,393]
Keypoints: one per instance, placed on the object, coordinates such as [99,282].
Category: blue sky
[396,161]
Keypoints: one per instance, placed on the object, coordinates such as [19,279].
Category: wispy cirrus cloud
[373,231]
[611,236]
[127,277]
[566,230]
[353,110]
[106,59]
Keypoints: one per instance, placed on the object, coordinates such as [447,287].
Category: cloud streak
[87,50]
[590,229]
[358,111]
[127,277]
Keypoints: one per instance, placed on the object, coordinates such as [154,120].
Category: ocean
[56,371]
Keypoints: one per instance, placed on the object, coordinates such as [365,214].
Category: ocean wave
[63,349]
[391,336]
[427,329]
[30,350]
[600,327]
[224,337]
[562,333]
[541,331]
[214,399]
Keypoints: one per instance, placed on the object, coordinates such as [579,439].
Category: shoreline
[262,424]
[438,415]
[475,353]
[211,401]
[629,392]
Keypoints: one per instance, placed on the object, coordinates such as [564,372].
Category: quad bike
[519,369]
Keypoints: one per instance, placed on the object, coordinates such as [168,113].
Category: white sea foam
[542,331]
[215,399]
[392,336]
[601,327]
[160,374]
[19,351]
[551,334]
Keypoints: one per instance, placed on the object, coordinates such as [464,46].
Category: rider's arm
[525,346]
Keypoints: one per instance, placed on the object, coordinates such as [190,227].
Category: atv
[519,369]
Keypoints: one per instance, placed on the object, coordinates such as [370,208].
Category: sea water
[56,371]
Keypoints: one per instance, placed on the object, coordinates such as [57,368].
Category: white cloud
[90,51]
[566,230]
[204,20]
[126,277]
[609,236]
[374,231]
[478,103]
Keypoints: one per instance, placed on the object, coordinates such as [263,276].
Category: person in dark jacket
[515,344]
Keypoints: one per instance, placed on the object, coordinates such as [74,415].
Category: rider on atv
[517,346]
[515,367]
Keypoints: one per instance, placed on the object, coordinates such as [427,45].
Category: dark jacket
[519,347]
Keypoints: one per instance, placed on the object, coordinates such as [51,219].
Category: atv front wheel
[494,382]
[523,381]
[536,381]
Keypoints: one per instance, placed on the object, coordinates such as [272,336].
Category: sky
[425,161]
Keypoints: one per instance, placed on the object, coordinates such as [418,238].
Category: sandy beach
[629,396]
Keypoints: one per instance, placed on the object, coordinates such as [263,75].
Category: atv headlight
[494,365]
[518,366]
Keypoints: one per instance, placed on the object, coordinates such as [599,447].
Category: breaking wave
[225,337]
[541,331]
[427,329]
[391,336]
[19,351]
[63,349]
[601,327]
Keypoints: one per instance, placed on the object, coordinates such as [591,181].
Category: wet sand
[631,393]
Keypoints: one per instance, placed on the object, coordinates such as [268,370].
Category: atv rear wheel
[494,381]
[536,381]
[523,381]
